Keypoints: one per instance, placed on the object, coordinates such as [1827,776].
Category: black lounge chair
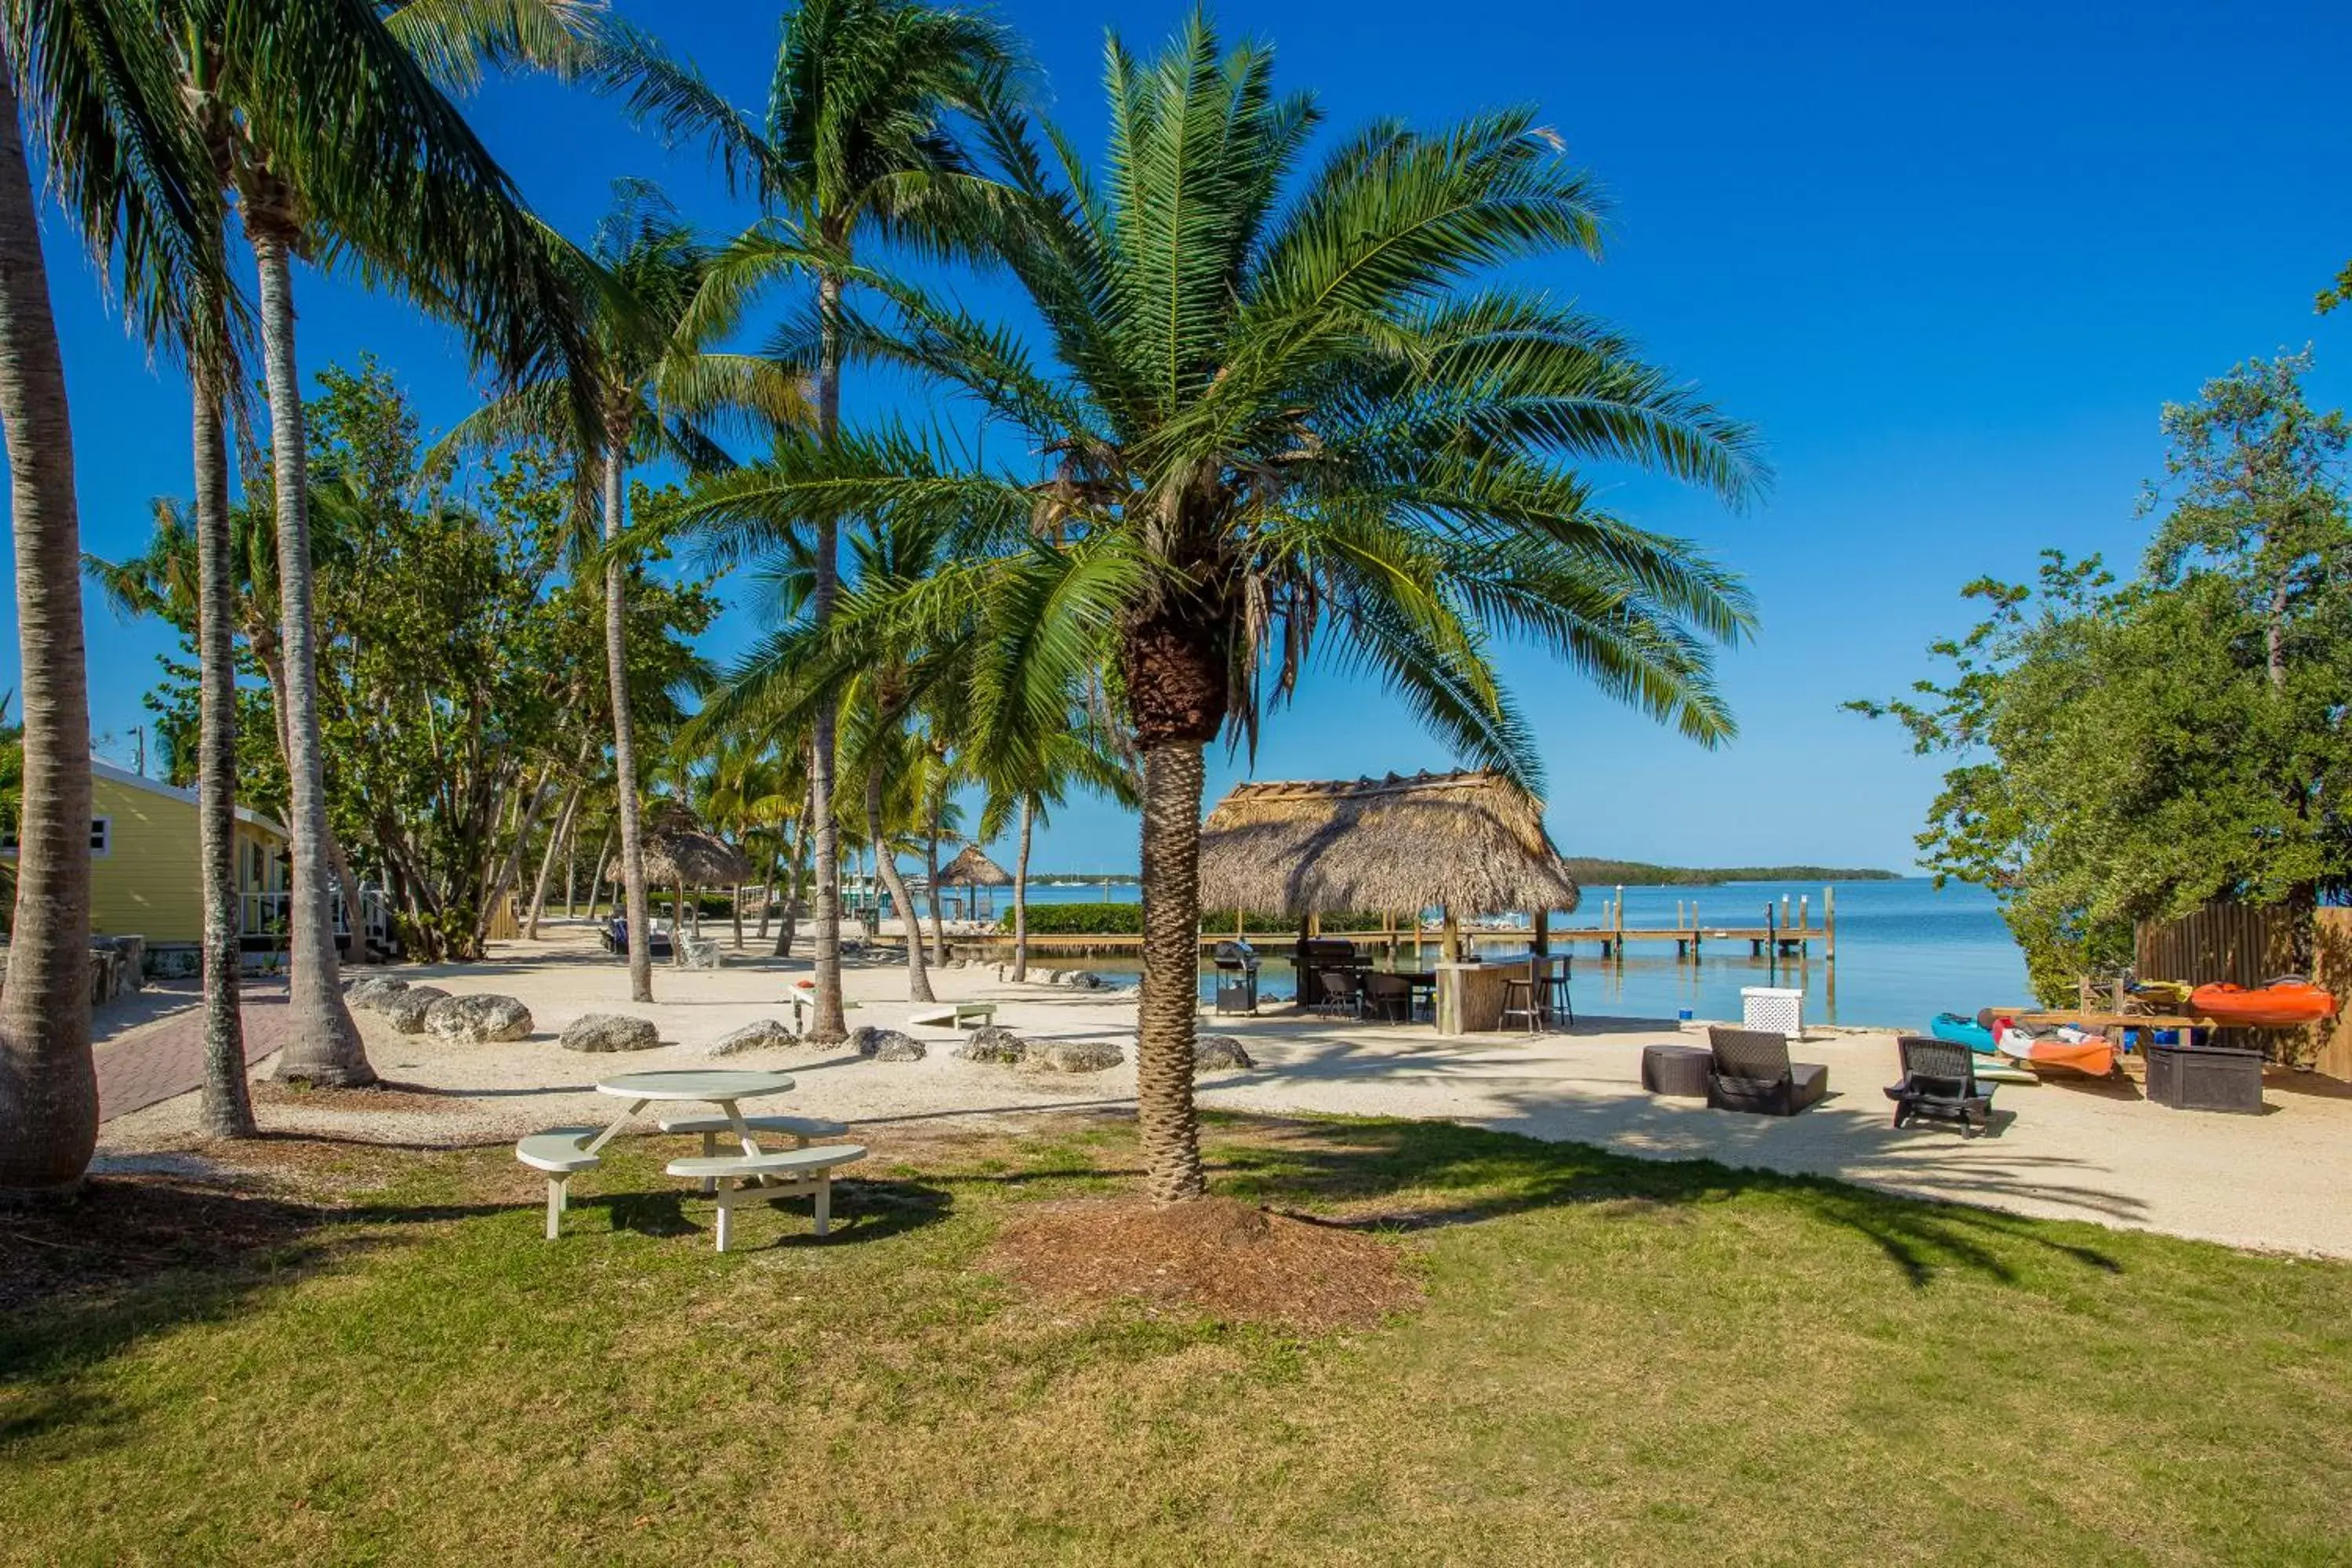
[1750,1070]
[1939,1080]
[617,940]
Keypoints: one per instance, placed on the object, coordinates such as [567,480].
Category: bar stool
[1522,998]
[1552,970]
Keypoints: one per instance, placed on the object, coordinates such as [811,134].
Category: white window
[101,837]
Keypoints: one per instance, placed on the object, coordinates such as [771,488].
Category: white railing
[265,914]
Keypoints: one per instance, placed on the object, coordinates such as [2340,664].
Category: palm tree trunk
[931,894]
[323,1044]
[624,730]
[1172,773]
[767,894]
[48,1086]
[788,926]
[226,1108]
[1020,894]
[547,857]
[919,980]
[604,864]
[830,1024]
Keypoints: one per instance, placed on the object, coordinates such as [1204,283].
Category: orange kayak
[2283,1005]
[2096,1056]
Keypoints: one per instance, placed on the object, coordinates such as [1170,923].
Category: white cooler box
[1773,1010]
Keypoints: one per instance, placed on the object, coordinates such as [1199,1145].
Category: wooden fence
[2246,945]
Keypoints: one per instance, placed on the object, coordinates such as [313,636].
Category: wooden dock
[1787,929]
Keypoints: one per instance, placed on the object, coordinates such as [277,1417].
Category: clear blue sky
[1950,260]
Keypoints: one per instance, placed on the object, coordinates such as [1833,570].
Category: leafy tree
[1281,413]
[2127,751]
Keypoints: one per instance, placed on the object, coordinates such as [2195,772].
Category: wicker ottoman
[1676,1070]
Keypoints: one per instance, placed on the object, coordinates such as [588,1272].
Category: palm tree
[856,139]
[1285,406]
[91,78]
[651,386]
[330,128]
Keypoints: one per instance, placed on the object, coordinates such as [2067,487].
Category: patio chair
[1387,998]
[1939,1080]
[1750,1070]
[1339,992]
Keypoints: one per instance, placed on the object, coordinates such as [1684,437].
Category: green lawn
[1618,1362]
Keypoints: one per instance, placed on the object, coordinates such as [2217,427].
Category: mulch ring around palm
[1216,1256]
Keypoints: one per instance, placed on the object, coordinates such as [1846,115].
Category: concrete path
[144,1060]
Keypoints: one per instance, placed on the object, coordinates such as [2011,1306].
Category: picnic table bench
[800,1172]
[954,1015]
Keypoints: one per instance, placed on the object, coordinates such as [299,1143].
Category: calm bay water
[1906,952]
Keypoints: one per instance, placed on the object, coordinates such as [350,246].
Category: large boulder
[405,1010]
[989,1043]
[371,989]
[609,1032]
[1072,1056]
[760,1035]
[478,1020]
[885,1045]
[1213,1053]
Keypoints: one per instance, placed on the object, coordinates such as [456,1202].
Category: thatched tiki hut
[680,853]
[973,872]
[1467,843]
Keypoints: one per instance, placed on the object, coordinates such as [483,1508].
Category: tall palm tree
[1288,409]
[651,386]
[856,139]
[90,78]
[341,144]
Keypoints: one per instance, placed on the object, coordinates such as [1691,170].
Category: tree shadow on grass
[862,1212]
[1417,1175]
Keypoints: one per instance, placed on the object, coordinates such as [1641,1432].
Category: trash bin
[2205,1077]
[1236,964]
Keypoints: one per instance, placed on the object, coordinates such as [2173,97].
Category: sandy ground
[2070,1151]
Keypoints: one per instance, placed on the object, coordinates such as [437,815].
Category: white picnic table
[725,1087]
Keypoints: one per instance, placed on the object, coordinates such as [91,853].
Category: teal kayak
[1962,1031]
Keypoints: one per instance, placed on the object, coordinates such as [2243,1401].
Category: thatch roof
[974,870]
[1472,842]
[680,850]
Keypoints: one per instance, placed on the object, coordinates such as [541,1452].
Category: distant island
[1594,873]
[1588,871]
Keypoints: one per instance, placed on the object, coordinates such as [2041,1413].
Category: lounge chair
[617,938]
[1939,1080]
[1750,1070]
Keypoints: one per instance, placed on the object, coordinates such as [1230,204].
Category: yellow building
[143,877]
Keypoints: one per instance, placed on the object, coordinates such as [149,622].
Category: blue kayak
[1962,1031]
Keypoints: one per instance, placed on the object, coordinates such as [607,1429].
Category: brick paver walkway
[155,1061]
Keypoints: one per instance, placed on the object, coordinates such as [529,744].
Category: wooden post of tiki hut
[1468,844]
